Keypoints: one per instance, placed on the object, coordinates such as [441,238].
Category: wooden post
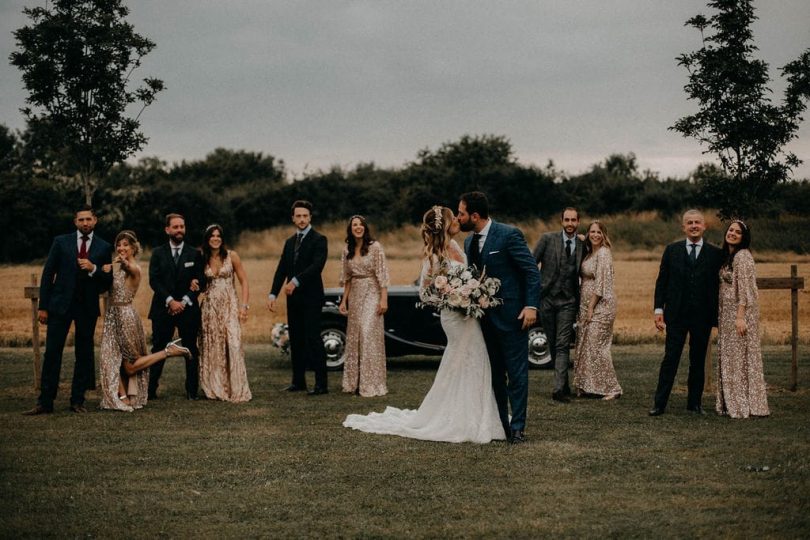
[794,327]
[32,292]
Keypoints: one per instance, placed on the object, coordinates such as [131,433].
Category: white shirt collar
[573,237]
[485,231]
[178,246]
[699,243]
[89,235]
[304,232]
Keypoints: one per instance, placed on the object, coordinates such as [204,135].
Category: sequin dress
[122,340]
[222,359]
[740,382]
[364,368]
[593,369]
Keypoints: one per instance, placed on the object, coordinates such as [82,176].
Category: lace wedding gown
[460,406]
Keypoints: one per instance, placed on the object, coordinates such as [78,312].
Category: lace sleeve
[455,248]
[425,279]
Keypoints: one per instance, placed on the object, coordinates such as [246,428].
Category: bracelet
[245,306]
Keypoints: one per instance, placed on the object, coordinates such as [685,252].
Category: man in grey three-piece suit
[559,254]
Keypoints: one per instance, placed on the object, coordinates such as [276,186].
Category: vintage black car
[408,329]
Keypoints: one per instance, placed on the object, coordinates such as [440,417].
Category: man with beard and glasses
[68,295]
[172,269]
[559,254]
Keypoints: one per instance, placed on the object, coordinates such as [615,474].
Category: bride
[460,406]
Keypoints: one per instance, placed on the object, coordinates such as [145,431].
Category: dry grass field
[636,270]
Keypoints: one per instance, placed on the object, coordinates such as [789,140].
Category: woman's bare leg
[150,359]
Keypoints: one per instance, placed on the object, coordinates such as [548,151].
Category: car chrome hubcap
[334,345]
[538,347]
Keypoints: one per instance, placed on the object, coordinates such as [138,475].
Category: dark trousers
[84,371]
[699,333]
[509,358]
[187,325]
[306,345]
[558,324]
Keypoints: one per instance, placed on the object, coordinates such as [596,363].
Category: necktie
[568,247]
[83,247]
[176,255]
[298,238]
[475,251]
[693,253]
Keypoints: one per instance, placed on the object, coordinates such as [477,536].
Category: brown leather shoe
[78,409]
[39,409]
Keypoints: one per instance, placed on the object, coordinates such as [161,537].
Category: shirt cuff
[658,311]
[95,267]
[530,307]
[187,301]
[168,299]
[271,297]
[295,282]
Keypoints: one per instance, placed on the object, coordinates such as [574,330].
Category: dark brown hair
[350,240]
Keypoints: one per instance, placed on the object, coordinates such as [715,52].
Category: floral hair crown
[212,226]
[437,217]
[741,222]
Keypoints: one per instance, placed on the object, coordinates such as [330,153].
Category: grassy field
[282,465]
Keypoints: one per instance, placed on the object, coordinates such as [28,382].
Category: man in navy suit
[172,268]
[502,252]
[686,298]
[71,281]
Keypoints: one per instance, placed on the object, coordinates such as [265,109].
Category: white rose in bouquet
[440,282]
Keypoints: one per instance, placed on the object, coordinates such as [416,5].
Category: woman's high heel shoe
[175,349]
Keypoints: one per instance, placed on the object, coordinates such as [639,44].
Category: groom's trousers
[509,358]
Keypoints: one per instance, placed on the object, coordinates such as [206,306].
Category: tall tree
[76,58]
[736,119]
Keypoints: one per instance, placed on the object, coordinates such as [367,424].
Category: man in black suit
[301,264]
[172,269]
[686,298]
[559,254]
[72,279]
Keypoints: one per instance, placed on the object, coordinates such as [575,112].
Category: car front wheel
[539,352]
[333,335]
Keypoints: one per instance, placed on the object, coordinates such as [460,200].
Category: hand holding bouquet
[460,288]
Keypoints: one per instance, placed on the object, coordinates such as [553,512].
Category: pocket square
[494,252]
[189,263]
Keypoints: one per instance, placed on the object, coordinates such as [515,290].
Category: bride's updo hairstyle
[131,239]
[435,223]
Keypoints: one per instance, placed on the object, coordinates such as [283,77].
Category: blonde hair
[435,224]
[130,237]
[602,229]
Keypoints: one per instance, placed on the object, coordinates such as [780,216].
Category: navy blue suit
[505,255]
[70,296]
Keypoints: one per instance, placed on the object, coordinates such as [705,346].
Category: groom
[502,252]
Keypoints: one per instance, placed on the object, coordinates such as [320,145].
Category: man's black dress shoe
[518,437]
[561,397]
[192,397]
[294,388]
[78,408]
[39,409]
[697,409]
[317,391]
[656,411]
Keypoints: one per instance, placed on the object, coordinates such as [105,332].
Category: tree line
[243,190]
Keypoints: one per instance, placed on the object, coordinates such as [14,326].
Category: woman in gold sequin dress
[593,370]
[222,359]
[364,277]
[124,362]
[741,390]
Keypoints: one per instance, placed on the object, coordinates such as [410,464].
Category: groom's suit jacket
[169,279]
[506,256]
[306,269]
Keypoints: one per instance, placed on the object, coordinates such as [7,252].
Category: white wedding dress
[460,406]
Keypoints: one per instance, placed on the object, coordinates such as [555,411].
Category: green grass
[282,465]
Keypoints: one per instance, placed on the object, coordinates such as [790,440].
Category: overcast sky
[322,83]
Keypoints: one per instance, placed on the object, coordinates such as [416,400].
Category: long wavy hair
[605,237]
[130,237]
[206,247]
[351,241]
[745,243]
[435,224]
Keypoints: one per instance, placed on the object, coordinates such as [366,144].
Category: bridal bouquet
[280,337]
[462,289]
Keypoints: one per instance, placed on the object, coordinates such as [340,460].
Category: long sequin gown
[593,369]
[122,340]
[364,368]
[741,390]
[222,360]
